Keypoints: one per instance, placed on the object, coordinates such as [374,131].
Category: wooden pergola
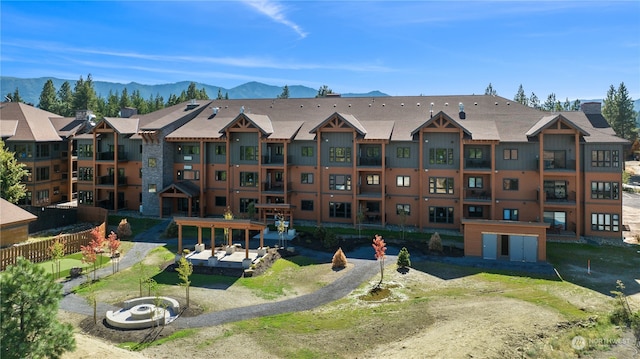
[213,223]
[272,209]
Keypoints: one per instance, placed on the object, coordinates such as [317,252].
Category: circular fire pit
[143,312]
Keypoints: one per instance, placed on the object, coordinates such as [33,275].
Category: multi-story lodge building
[503,173]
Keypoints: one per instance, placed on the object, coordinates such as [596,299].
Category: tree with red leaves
[114,243]
[380,248]
[89,252]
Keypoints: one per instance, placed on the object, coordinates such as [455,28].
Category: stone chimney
[591,108]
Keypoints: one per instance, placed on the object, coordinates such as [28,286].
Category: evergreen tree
[534,101]
[403,258]
[65,100]
[550,103]
[125,101]
[48,101]
[618,110]
[202,94]
[29,306]
[220,97]
[490,91]
[192,92]
[575,105]
[173,100]
[138,102]
[226,95]
[285,92]
[113,105]
[521,97]
[11,187]
[159,102]
[15,96]
[84,96]
[323,91]
[567,105]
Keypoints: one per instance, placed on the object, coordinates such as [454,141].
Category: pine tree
[29,302]
[192,92]
[125,101]
[65,100]
[403,258]
[521,97]
[323,91]
[550,103]
[84,96]
[220,97]
[618,110]
[534,101]
[48,101]
[490,90]
[285,92]
[11,187]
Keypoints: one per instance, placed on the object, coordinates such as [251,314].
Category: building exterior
[14,223]
[42,142]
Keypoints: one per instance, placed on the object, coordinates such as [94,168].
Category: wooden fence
[37,252]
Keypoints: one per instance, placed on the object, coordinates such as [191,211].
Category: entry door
[523,248]
[489,246]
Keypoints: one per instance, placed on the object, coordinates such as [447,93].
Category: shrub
[124,229]
[339,260]
[403,258]
[172,230]
[320,233]
[330,240]
[435,243]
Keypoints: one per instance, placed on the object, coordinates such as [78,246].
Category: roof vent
[446,104]
[402,104]
[383,105]
[508,103]
[369,105]
[301,106]
[349,105]
[215,110]
[496,103]
[318,105]
[461,107]
[418,104]
[334,105]
[241,109]
[475,104]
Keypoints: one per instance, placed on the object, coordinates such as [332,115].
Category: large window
[373,179]
[42,196]
[441,185]
[23,151]
[307,151]
[403,181]
[476,211]
[441,156]
[248,179]
[510,154]
[403,152]
[249,153]
[85,197]
[605,190]
[220,201]
[475,153]
[340,154]
[42,173]
[340,182]
[403,208]
[605,158]
[85,174]
[221,150]
[510,214]
[306,178]
[340,209]
[474,182]
[441,214]
[42,150]
[220,175]
[85,150]
[605,222]
[510,184]
[245,203]
[306,205]
[554,159]
[188,149]
[555,190]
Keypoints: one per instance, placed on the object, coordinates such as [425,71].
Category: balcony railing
[478,164]
[370,161]
[277,187]
[569,197]
[477,194]
[110,180]
[275,160]
[110,156]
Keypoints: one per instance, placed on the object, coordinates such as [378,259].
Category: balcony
[110,156]
[275,187]
[476,195]
[370,161]
[275,160]
[478,164]
[109,180]
[561,198]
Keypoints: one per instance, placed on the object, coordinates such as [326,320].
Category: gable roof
[33,124]
[548,121]
[10,214]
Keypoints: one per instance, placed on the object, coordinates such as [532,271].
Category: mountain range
[31,88]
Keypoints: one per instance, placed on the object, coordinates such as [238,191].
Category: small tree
[435,243]
[281,228]
[228,215]
[114,243]
[403,258]
[57,253]
[339,259]
[11,187]
[380,248]
[172,230]
[89,252]
[124,229]
[185,269]
[28,314]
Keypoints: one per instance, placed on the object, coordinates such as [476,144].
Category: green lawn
[71,261]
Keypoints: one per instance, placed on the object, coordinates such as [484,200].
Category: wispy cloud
[276,12]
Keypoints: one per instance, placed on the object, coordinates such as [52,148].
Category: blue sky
[573,49]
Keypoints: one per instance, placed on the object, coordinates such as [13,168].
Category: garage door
[523,248]
[489,245]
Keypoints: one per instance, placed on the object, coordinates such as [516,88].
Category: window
[403,152]
[605,222]
[221,175]
[85,197]
[373,179]
[441,156]
[555,190]
[56,190]
[605,190]
[220,201]
[152,188]
[441,214]
[510,184]
[249,153]
[340,182]
[510,214]
[42,150]
[56,168]
[248,179]
[510,154]
[474,182]
[306,205]
[42,173]
[403,181]
[605,158]
[189,149]
[152,162]
[475,211]
[23,151]
[188,175]
[475,153]
[340,154]
[554,159]
[85,174]
[42,196]
[245,203]
[26,200]
[441,185]
[221,150]
[85,151]
[340,209]
[306,178]
[373,152]
[28,177]
[307,151]
[406,208]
